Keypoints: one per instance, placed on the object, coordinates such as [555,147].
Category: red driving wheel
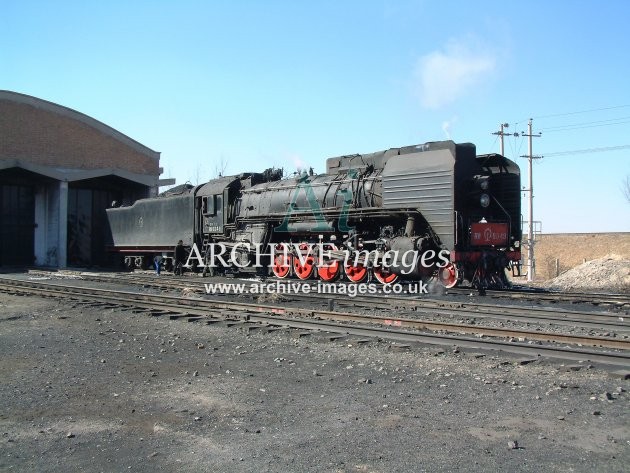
[303,270]
[448,275]
[281,262]
[304,263]
[356,273]
[330,270]
[384,275]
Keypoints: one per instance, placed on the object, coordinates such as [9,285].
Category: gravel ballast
[92,389]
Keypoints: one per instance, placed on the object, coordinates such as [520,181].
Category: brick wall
[571,249]
[44,137]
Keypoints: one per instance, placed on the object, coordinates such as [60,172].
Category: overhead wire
[588,150]
[493,144]
[564,114]
[588,123]
[581,111]
[574,126]
[594,124]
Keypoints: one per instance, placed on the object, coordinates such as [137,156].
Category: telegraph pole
[501,134]
[531,262]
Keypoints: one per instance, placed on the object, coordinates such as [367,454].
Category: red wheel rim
[329,271]
[384,276]
[304,263]
[281,263]
[448,275]
[303,271]
[356,273]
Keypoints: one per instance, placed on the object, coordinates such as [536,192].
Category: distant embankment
[559,252]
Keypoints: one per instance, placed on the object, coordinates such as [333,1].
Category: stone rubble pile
[608,274]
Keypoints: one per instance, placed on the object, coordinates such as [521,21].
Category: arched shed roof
[36,133]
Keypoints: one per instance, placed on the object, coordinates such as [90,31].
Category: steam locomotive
[459,212]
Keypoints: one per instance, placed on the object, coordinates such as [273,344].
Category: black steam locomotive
[458,212]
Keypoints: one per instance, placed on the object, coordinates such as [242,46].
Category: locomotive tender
[460,212]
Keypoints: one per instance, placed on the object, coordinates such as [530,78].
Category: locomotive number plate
[483,234]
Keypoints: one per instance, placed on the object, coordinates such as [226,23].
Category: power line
[571,128]
[582,111]
[493,143]
[520,145]
[588,150]
[570,125]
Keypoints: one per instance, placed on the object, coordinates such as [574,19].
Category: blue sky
[254,84]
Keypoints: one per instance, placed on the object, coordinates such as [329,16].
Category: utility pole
[531,262]
[501,134]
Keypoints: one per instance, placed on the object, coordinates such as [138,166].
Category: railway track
[520,293]
[532,294]
[612,352]
[412,306]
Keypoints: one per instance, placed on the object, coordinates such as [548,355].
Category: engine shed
[59,170]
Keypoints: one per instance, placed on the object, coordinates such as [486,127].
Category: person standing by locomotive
[180,257]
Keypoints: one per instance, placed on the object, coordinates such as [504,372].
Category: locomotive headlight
[481,182]
[484,200]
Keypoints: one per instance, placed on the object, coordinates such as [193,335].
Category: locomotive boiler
[457,211]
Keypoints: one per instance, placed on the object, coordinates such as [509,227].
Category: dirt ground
[108,390]
[571,249]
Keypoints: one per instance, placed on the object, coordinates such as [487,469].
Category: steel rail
[165,301]
[553,296]
[461,342]
[270,315]
[540,294]
[552,316]
[527,293]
